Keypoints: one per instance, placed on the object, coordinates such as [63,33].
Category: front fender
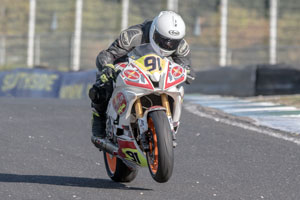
[143,123]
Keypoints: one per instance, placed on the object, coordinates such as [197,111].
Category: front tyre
[160,156]
[117,170]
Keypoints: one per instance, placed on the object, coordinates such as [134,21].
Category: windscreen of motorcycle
[151,64]
[147,60]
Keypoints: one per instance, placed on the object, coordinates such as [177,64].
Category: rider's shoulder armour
[183,49]
[134,35]
[130,37]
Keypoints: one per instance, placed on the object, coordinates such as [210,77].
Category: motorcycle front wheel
[160,156]
[117,170]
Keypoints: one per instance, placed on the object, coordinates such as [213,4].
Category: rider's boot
[100,95]
[98,125]
[98,129]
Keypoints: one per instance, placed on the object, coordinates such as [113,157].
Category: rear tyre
[117,170]
[160,157]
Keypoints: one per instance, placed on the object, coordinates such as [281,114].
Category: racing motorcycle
[143,116]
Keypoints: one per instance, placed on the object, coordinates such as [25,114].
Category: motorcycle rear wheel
[117,170]
[160,157]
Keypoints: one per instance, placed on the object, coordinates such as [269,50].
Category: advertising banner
[46,83]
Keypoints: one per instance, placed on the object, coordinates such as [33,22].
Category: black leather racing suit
[135,36]
[117,52]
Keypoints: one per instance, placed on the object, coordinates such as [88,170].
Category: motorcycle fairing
[119,103]
[129,150]
[175,76]
[132,71]
[151,64]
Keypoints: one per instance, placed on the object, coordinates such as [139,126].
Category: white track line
[193,109]
[291,116]
[268,109]
[250,104]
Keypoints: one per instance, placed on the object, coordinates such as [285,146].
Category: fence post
[37,60]
[71,50]
[223,33]
[3,50]
[31,33]
[273,32]
[173,5]
[125,11]
[77,36]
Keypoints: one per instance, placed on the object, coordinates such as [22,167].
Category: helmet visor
[164,42]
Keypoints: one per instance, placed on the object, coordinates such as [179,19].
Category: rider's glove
[102,89]
[108,73]
[191,75]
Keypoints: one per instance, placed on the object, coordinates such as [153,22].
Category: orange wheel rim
[153,149]
[112,162]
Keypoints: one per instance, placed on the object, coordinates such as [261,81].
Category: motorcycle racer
[165,33]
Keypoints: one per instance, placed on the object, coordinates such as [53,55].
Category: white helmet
[166,32]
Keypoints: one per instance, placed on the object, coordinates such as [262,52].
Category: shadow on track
[65,181]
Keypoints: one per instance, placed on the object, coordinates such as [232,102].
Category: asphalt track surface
[46,154]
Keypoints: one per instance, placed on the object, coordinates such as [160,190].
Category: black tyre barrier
[262,79]
[277,80]
[231,81]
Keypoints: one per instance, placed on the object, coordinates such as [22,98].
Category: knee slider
[100,95]
[94,95]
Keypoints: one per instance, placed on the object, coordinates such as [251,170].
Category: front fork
[139,109]
[165,103]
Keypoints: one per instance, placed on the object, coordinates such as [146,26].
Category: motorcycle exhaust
[105,145]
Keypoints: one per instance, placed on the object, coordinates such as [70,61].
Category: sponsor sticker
[177,72]
[174,32]
[120,103]
[135,156]
[132,75]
